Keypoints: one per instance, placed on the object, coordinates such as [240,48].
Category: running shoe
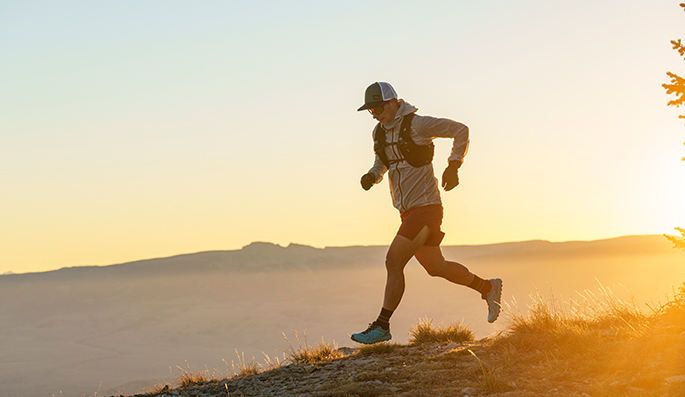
[494,299]
[373,334]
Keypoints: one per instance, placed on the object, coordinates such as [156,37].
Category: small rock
[451,346]
[468,390]
[676,379]
[585,395]
[346,350]
[608,332]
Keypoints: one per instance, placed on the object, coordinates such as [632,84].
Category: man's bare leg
[432,260]
[400,252]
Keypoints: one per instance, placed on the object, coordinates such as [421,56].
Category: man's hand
[368,180]
[450,178]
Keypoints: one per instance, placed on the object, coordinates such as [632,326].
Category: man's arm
[427,128]
[375,174]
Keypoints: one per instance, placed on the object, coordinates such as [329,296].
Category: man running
[403,142]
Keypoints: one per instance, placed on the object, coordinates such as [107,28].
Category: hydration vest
[416,155]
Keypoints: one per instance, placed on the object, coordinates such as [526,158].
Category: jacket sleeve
[426,128]
[379,169]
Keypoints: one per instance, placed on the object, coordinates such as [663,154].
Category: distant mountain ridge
[264,256]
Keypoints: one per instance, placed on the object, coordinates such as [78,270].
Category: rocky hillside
[550,351]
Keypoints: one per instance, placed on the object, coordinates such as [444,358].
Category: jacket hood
[405,109]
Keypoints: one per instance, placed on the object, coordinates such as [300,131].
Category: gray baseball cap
[376,94]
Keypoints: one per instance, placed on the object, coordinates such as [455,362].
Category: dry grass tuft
[426,333]
[577,324]
[191,378]
[609,344]
[491,379]
[306,354]
[673,311]
[243,368]
[270,363]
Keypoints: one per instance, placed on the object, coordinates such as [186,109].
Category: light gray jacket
[411,186]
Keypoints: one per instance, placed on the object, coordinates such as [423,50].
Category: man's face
[385,113]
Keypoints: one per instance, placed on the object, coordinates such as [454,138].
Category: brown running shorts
[414,219]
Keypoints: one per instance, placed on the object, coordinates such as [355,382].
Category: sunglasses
[377,110]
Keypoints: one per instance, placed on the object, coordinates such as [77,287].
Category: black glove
[368,180]
[450,178]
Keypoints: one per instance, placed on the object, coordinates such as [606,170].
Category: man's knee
[393,263]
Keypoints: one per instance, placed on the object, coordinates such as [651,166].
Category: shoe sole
[496,301]
[370,343]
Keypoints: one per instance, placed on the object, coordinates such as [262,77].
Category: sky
[133,130]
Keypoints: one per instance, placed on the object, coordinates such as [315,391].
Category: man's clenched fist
[450,178]
[368,180]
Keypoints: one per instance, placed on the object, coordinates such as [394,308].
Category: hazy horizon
[179,254]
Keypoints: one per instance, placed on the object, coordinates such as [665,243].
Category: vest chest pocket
[416,155]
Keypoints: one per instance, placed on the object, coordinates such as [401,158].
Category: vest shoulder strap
[406,126]
[379,144]
[415,155]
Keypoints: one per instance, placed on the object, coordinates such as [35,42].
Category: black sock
[480,285]
[383,319]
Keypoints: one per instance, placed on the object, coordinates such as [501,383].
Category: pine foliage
[677,88]
[677,242]
[677,85]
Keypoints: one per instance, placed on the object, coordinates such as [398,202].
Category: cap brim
[371,105]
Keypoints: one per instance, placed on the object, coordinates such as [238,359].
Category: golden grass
[243,368]
[424,332]
[306,354]
[190,378]
[491,379]
[598,339]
